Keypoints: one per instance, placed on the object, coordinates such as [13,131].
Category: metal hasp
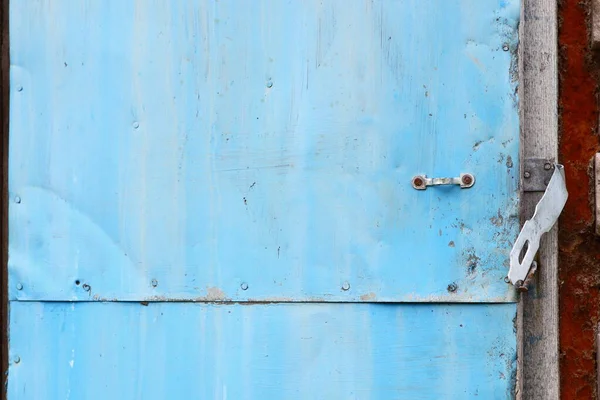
[421,182]
[536,174]
[546,213]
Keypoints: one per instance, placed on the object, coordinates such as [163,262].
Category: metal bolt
[467,179]
[527,175]
[452,287]
[17,199]
[346,286]
[505,47]
[17,359]
[547,166]
[244,286]
[19,286]
[418,181]
[154,283]
[86,287]
[519,284]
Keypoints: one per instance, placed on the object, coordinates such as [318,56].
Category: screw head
[17,359]
[346,286]
[467,179]
[269,84]
[506,279]
[19,286]
[154,283]
[136,125]
[418,182]
[452,287]
[527,175]
[244,286]
[547,166]
[505,47]
[17,199]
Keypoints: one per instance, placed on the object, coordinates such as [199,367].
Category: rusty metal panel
[262,150]
[99,351]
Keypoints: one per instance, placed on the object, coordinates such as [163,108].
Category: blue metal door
[216,199]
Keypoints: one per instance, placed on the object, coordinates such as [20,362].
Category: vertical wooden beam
[537,322]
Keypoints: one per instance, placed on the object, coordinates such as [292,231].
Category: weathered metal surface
[204,145]
[546,214]
[579,247]
[99,351]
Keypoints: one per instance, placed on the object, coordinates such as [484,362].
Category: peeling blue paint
[206,144]
[99,351]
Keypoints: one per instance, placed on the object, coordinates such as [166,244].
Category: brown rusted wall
[579,249]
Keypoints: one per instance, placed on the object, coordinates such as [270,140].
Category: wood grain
[537,322]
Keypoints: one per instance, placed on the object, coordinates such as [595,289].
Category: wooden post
[537,321]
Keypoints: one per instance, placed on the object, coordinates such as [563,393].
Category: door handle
[421,182]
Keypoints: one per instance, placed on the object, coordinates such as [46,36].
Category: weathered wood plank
[537,324]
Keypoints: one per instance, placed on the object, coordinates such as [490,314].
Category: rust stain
[579,250]
[214,294]
[368,296]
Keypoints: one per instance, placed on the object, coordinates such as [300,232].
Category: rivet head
[346,286]
[17,199]
[547,166]
[154,283]
[527,175]
[136,125]
[244,286]
[19,88]
[19,286]
[17,359]
[505,47]
[269,84]
[467,179]
[452,287]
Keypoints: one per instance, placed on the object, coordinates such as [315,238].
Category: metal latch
[536,174]
[546,213]
[421,182]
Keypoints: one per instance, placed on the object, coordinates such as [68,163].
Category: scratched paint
[181,150]
[284,351]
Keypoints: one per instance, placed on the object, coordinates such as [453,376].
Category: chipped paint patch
[368,296]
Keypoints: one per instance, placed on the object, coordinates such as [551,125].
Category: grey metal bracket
[536,174]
